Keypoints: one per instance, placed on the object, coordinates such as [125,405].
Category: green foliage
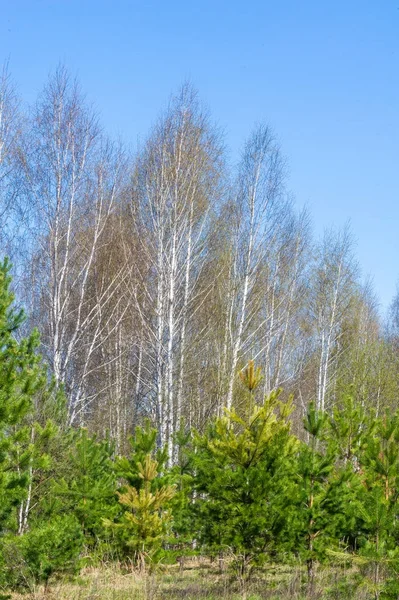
[325,492]
[351,426]
[182,476]
[143,443]
[145,523]
[246,488]
[21,377]
[379,500]
[25,393]
[49,549]
[26,401]
[243,481]
[87,488]
[373,533]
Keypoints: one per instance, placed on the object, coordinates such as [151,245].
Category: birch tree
[109,376]
[175,188]
[333,285]
[280,342]
[368,364]
[10,131]
[72,180]
[258,208]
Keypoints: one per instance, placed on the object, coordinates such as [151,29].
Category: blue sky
[324,74]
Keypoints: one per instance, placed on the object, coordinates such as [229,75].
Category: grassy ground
[202,581]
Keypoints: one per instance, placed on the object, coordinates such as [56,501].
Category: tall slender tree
[72,176]
[174,189]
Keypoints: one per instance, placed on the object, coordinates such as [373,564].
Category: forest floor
[202,581]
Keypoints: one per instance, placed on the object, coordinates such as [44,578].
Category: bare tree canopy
[155,278]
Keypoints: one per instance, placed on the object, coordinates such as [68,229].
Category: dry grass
[199,581]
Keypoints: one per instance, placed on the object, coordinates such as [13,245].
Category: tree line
[245,491]
[154,276]
[158,279]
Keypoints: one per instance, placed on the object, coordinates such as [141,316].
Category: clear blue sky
[324,74]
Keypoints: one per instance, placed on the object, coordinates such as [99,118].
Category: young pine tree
[243,476]
[379,500]
[87,488]
[142,443]
[324,495]
[182,476]
[48,550]
[145,522]
[350,427]
[23,440]
[21,377]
